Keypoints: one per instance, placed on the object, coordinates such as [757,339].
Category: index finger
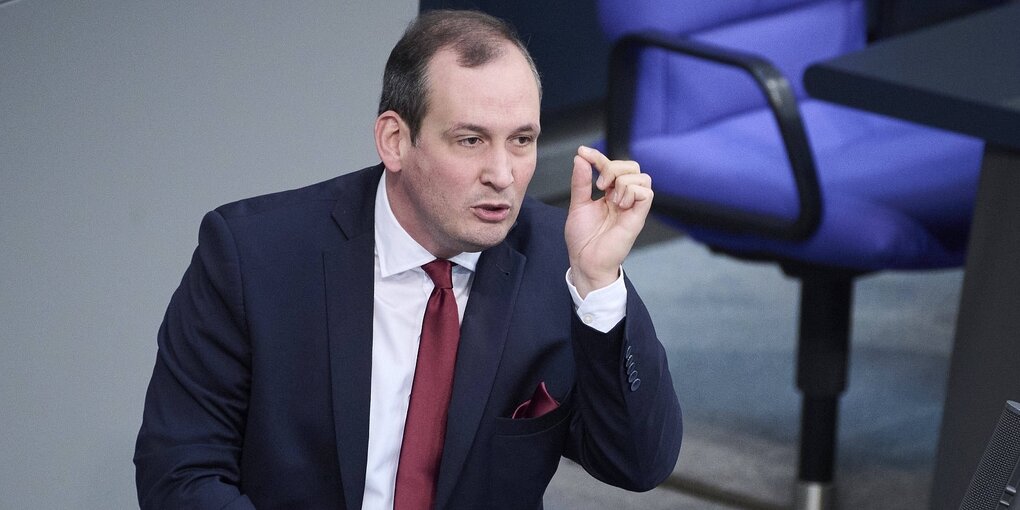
[608,169]
[599,161]
[593,156]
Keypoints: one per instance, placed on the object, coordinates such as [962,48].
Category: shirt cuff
[602,309]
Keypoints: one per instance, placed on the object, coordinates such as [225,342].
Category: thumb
[580,183]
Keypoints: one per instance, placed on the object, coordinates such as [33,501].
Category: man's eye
[523,140]
[470,141]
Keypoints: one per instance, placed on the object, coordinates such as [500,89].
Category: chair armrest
[782,102]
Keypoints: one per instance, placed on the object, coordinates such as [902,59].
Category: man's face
[460,187]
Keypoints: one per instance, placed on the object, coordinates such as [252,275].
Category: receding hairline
[473,38]
[506,47]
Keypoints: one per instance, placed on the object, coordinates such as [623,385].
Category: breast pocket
[525,455]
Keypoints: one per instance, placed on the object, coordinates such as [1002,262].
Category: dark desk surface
[963,76]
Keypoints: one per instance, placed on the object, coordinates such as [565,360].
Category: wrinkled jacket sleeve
[623,432]
[188,449]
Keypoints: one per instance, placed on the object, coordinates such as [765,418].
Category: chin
[483,242]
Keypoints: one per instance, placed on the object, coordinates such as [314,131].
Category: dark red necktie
[425,428]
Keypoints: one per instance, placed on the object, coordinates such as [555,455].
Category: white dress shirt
[402,290]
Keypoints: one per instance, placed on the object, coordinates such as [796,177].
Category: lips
[492,213]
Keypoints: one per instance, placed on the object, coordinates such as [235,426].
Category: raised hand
[600,233]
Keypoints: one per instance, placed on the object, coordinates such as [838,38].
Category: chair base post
[818,423]
[814,496]
[823,354]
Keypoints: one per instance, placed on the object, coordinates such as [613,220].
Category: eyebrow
[526,128]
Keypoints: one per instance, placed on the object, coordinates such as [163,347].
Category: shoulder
[302,220]
[324,194]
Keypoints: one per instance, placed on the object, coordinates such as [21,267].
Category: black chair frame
[781,100]
[826,292]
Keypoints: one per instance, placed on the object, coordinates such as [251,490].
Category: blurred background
[122,122]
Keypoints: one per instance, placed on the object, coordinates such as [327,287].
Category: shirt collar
[396,250]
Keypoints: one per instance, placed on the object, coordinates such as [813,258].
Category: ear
[392,139]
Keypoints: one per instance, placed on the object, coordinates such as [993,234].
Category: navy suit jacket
[260,392]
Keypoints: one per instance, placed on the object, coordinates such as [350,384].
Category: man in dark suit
[288,366]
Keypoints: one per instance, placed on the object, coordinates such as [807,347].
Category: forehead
[503,90]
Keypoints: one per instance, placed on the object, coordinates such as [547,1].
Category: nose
[499,172]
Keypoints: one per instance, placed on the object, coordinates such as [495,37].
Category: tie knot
[440,272]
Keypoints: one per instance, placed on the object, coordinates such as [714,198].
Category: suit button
[629,348]
[635,384]
[630,362]
[632,376]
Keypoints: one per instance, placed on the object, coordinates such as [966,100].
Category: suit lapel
[482,337]
[348,270]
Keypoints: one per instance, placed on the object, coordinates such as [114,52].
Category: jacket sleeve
[188,448]
[626,429]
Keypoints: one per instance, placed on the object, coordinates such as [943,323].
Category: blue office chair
[707,97]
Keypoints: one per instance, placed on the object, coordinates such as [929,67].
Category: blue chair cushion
[896,195]
[683,16]
[678,93]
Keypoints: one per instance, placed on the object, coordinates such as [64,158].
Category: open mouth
[491,212]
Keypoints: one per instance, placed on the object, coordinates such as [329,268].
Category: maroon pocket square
[541,403]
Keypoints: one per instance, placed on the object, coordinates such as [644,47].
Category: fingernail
[585,148]
[598,182]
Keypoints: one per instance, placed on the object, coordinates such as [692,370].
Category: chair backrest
[676,94]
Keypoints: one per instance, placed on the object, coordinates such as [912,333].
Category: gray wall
[121,123]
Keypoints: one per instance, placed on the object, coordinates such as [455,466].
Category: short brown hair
[477,39]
